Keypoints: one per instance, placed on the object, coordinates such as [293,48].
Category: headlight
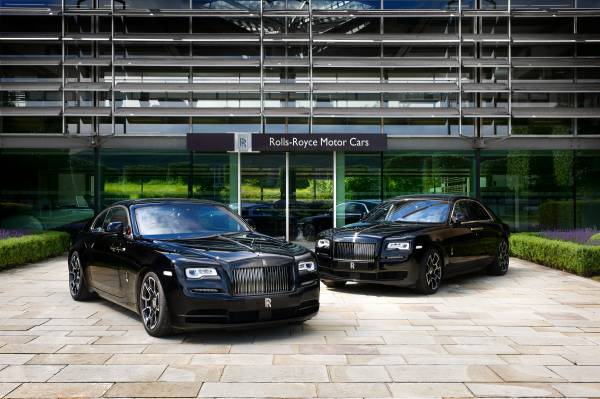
[196,273]
[307,266]
[402,245]
[323,243]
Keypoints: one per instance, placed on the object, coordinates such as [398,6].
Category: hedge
[32,248]
[569,256]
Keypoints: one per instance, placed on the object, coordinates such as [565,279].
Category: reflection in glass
[144,174]
[311,193]
[52,189]
[263,193]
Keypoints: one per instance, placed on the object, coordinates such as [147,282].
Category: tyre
[309,232]
[430,272]
[77,285]
[333,283]
[153,306]
[499,266]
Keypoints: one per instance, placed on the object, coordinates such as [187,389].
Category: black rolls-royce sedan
[415,241]
[191,264]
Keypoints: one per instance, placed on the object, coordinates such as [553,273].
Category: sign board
[245,142]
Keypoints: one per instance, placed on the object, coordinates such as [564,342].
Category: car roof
[142,201]
[447,197]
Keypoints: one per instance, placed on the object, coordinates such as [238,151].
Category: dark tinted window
[355,208]
[99,222]
[117,214]
[461,213]
[476,211]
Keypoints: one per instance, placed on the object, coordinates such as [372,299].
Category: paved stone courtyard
[532,333]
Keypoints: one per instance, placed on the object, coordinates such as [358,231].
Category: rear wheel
[153,306]
[430,272]
[333,283]
[499,266]
[77,284]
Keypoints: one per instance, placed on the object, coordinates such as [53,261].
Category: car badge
[352,265]
[267,302]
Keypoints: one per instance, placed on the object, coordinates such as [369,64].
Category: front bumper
[397,272]
[222,310]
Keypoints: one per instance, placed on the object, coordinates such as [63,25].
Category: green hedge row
[569,256]
[32,248]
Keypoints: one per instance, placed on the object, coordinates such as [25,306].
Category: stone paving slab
[532,333]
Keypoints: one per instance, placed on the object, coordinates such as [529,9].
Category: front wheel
[77,285]
[153,306]
[430,272]
[499,266]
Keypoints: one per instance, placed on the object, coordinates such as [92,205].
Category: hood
[378,230]
[232,248]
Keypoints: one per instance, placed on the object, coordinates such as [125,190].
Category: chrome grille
[262,280]
[354,251]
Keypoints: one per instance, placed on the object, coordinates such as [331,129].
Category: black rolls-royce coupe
[191,264]
[415,241]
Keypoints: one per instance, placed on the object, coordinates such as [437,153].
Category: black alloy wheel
[499,266]
[153,306]
[430,272]
[77,285]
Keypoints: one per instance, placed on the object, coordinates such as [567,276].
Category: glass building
[496,99]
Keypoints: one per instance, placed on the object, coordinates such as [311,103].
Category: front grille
[354,251]
[262,280]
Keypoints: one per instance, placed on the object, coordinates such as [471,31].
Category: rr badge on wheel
[267,302]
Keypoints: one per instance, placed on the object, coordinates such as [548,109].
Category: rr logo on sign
[352,265]
[243,142]
[267,302]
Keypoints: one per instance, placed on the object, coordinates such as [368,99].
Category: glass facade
[529,190]
[494,99]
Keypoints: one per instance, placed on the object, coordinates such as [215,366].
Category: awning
[188,61]
[385,87]
[33,86]
[389,62]
[88,86]
[183,112]
[547,112]
[87,111]
[186,87]
[30,111]
[30,61]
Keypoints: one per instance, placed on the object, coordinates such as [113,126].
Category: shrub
[569,256]
[32,248]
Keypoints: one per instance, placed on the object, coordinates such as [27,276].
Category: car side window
[354,208]
[461,213]
[116,214]
[476,211]
[99,222]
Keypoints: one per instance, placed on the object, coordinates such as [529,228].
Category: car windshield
[412,211]
[186,220]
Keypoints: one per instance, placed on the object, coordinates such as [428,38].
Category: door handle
[114,248]
[476,228]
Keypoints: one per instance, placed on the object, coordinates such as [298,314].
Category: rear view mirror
[115,227]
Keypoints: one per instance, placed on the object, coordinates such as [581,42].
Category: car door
[461,241]
[486,233]
[107,254]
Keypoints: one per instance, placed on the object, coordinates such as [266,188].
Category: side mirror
[251,223]
[115,227]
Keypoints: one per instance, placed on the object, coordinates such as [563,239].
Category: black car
[415,241]
[191,264]
[268,219]
[351,211]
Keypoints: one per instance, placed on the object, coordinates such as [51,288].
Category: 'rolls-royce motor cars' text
[415,241]
[186,264]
